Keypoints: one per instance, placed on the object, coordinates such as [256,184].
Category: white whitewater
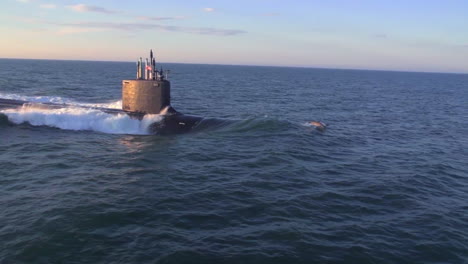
[74,117]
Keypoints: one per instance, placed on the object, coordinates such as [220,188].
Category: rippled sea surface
[386,182]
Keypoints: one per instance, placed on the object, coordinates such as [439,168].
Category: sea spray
[76,118]
[60,100]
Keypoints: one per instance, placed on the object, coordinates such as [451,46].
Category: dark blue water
[386,182]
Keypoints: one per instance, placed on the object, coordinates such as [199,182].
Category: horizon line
[260,65]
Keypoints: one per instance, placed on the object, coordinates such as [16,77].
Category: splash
[75,117]
[38,99]
[60,100]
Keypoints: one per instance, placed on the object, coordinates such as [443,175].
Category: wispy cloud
[23,1]
[208,9]
[149,18]
[90,8]
[270,14]
[144,26]
[380,36]
[48,6]
[28,20]
[75,30]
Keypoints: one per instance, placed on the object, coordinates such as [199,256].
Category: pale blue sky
[412,35]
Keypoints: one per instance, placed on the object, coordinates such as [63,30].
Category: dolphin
[320,126]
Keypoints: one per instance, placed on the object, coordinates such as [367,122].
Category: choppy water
[387,182]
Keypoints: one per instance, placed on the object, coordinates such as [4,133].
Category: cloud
[380,36]
[23,1]
[147,18]
[270,14]
[460,46]
[48,6]
[29,20]
[208,9]
[74,30]
[90,8]
[144,26]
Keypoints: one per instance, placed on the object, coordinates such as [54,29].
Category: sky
[402,35]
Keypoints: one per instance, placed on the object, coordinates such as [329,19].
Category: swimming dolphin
[318,125]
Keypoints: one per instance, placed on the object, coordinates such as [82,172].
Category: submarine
[148,94]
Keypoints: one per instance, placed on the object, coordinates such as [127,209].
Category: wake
[74,116]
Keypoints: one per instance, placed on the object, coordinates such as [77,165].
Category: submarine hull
[172,123]
[175,124]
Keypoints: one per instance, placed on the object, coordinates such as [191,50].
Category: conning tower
[150,92]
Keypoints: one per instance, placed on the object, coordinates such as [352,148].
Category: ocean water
[386,182]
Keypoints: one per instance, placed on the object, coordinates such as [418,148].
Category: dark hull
[175,124]
[172,123]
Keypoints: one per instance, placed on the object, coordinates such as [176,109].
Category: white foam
[38,99]
[112,105]
[60,100]
[75,118]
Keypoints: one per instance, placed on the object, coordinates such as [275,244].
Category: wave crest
[74,117]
